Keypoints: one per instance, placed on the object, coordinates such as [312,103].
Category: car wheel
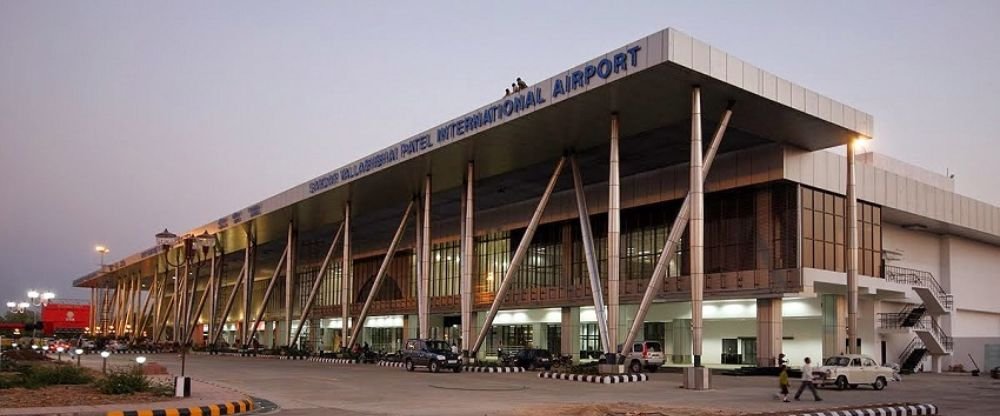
[841,383]
[434,367]
[879,383]
[409,365]
[635,366]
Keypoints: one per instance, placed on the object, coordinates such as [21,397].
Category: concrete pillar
[468,256]
[769,331]
[625,318]
[346,280]
[538,330]
[283,330]
[424,302]
[682,341]
[570,332]
[852,253]
[614,237]
[834,324]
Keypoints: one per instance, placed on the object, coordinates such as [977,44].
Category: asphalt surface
[310,388]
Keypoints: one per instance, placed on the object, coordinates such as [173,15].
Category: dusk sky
[118,119]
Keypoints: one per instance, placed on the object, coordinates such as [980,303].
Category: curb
[586,378]
[229,408]
[474,369]
[878,410]
[391,364]
[333,360]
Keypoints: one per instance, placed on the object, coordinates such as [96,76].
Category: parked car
[533,358]
[852,370]
[432,354]
[644,355]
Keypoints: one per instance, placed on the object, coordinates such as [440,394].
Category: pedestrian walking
[783,383]
[807,381]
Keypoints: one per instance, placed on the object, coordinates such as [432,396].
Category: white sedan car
[843,371]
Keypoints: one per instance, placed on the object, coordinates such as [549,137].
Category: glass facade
[445,269]
[824,233]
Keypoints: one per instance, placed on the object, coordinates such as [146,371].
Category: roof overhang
[647,82]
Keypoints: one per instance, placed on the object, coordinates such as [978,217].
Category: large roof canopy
[647,81]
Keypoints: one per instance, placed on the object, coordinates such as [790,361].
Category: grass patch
[129,381]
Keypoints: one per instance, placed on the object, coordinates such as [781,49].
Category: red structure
[66,316]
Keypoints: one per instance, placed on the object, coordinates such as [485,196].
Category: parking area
[310,388]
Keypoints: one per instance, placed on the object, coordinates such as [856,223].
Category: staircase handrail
[914,277]
[914,344]
[936,331]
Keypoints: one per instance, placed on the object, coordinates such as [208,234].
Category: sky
[121,118]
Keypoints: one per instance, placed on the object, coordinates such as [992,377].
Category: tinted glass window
[654,347]
[856,362]
[637,348]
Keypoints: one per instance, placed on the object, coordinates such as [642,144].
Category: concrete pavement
[309,388]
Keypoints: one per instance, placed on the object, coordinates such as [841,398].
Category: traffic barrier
[600,379]
[230,408]
[477,369]
[877,410]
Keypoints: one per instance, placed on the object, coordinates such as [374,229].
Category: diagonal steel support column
[316,283]
[229,302]
[377,283]
[146,309]
[697,228]
[515,263]
[267,295]
[852,252]
[593,270]
[674,236]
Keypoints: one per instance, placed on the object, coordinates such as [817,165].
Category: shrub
[126,381]
[131,380]
[37,376]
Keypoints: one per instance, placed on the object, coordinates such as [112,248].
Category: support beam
[852,253]
[377,283]
[290,252]
[424,301]
[614,243]
[468,255]
[697,229]
[232,297]
[316,283]
[251,272]
[674,236]
[146,309]
[267,293]
[346,278]
[593,269]
[515,263]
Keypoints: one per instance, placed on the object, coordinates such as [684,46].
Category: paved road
[308,388]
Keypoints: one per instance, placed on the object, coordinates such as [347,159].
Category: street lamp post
[79,352]
[103,250]
[59,351]
[204,241]
[104,359]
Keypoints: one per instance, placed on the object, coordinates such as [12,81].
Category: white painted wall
[921,250]
[974,270]
[807,342]
[966,323]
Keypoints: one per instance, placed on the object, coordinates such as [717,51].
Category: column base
[697,378]
[611,368]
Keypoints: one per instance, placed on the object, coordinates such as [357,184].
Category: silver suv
[644,355]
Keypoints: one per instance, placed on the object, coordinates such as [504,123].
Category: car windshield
[837,361]
[438,346]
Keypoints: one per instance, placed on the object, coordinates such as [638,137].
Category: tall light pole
[190,243]
[103,250]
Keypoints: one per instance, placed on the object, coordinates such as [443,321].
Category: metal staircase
[920,319]
[911,356]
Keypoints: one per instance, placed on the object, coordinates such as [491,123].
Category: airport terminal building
[559,216]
